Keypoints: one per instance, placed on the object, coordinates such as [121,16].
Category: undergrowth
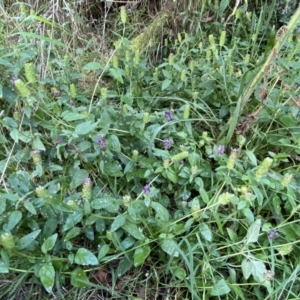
[162,172]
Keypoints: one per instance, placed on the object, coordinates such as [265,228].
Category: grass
[158,161]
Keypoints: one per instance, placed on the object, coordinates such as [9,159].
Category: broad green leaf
[247,267]
[14,134]
[258,270]
[205,231]
[140,254]
[124,266]
[85,127]
[47,275]
[26,240]
[103,250]
[170,247]
[116,74]
[220,288]
[251,157]
[179,272]
[118,222]
[2,205]
[161,212]
[253,232]
[13,220]
[70,116]
[114,143]
[49,227]
[79,278]
[166,84]
[85,257]
[40,37]
[133,230]
[91,66]
[37,144]
[3,267]
[49,243]
[29,206]
[77,177]
[72,220]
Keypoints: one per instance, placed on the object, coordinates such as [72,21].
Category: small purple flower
[169,115]
[13,80]
[272,234]
[101,142]
[167,144]
[146,189]
[221,149]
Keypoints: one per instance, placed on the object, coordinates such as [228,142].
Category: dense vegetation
[150,150]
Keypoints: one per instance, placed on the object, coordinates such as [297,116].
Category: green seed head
[22,88]
[73,92]
[180,156]
[146,118]
[123,14]
[87,189]
[29,73]
[186,112]
[41,192]
[7,241]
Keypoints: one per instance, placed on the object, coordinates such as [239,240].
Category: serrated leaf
[13,220]
[85,257]
[85,127]
[140,254]
[79,278]
[118,222]
[26,240]
[253,232]
[220,288]
[49,243]
[205,232]
[47,275]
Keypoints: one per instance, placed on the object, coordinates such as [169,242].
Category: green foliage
[185,167]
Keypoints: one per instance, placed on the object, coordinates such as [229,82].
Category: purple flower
[168,115]
[272,234]
[167,144]
[221,149]
[146,189]
[101,142]
[13,80]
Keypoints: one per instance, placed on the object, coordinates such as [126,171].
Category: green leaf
[133,230]
[114,143]
[3,267]
[205,232]
[253,232]
[49,243]
[179,272]
[47,275]
[258,270]
[26,240]
[247,267]
[140,254]
[13,220]
[103,250]
[79,278]
[116,74]
[85,257]
[91,66]
[118,222]
[170,247]
[77,177]
[166,84]
[72,220]
[85,127]
[161,212]
[220,288]
[29,206]
[37,144]
[70,116]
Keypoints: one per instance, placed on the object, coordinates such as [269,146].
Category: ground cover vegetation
[150,149]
